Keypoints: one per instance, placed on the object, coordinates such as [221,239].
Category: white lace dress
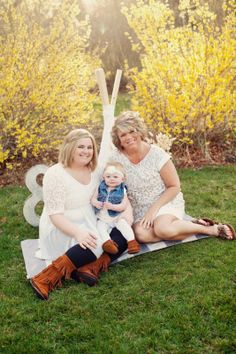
[145,184]
[64,194]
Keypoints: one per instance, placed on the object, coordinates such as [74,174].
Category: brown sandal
[208,222]
[222,232]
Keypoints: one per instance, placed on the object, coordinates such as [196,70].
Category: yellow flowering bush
[46,77]
[185,87]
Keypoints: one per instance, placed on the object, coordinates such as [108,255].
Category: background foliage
[178,61]
[185,87]
[46,77]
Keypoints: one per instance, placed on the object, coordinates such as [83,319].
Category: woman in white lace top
[68,232]
[154,187]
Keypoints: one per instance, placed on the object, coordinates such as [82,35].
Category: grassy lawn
[178,300]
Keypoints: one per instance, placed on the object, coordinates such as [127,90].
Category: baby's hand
[97,204]
[115,207]
[108,205]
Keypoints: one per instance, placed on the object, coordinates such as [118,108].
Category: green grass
[178,300]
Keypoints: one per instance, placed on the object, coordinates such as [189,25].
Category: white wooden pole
[116,87]
[100,75]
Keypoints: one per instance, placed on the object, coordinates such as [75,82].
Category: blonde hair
[69,145]
[117,165]
[126,122]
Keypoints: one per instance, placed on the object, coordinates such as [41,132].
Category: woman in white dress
[68,233]
[154,187]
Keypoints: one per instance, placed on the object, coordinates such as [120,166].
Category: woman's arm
[84,238]
[128,214]
[95,202]
[171,180]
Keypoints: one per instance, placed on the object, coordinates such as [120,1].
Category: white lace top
[144,182]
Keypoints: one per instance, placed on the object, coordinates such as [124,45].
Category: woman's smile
[128,139]
[84,151]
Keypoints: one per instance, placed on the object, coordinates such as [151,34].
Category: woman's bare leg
[168,227]
[145,235]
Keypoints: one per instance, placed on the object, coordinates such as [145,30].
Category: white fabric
[145,184]
[104,230]
[125,229]
[64,194]
[106,144]
[168,209]
[121,224]
[104,216]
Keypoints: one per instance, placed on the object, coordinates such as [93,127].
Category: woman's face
[129,139]
[83,152]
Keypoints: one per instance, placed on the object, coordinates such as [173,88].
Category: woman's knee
[164,231]
[140,237]
[141,234]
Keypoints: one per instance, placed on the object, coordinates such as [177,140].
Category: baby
[110,200]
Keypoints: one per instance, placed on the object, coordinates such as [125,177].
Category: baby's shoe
[110,247]
[133,246]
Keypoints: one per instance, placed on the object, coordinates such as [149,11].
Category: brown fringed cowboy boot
[51,277]
[89,273]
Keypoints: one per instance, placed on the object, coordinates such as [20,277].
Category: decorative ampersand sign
[37,194]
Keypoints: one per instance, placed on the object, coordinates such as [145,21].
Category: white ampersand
[37,194]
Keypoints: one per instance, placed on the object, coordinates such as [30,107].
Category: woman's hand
[128,214]
[148,219]
[86,239]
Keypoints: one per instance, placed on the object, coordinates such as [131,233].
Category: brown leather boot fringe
[51,277]
[89,273]
[64,266]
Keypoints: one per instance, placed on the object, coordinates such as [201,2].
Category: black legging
[80,256]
